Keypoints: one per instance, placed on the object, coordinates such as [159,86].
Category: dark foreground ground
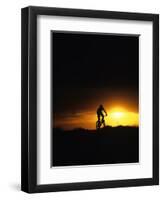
[90,147]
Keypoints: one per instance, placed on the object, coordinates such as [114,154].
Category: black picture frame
[29,99]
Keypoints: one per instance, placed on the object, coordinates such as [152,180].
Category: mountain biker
[100,114]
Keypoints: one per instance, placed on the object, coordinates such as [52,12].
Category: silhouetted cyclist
[100,116]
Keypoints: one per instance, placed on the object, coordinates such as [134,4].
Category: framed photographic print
[90,99]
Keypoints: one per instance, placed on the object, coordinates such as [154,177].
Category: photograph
[95,98]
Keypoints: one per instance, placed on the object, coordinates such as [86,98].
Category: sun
[119,116]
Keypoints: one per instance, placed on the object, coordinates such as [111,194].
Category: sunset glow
[117,116]
[123,119]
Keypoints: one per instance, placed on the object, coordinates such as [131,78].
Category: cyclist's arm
[105,112]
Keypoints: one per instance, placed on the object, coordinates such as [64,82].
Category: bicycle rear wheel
[98,125]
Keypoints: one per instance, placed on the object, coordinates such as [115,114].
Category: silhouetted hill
[89,147]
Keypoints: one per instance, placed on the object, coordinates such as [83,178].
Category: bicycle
[99,123]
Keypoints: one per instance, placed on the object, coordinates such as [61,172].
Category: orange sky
[119,114]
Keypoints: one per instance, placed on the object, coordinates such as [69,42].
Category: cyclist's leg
[103,120]
[98,123]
